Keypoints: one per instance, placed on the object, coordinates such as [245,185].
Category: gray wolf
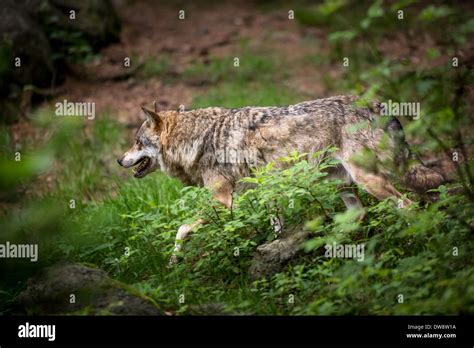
[201,147]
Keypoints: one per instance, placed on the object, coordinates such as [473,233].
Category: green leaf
[375,10]
[341,36]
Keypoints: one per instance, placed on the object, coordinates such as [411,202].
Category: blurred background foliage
[407,251]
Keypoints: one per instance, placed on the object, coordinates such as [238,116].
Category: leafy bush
[422,253]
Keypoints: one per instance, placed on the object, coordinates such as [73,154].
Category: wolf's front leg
[276,217]
[352,201]
[222,191]
[277,223]
[183,232]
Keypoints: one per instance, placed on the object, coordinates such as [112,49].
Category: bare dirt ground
[153,29]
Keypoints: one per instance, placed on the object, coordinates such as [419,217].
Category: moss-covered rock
[78,289]
[271,257]
[25,53]
[39,38]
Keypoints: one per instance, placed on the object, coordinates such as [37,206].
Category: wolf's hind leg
[375,183]
[352,201]
[347,193]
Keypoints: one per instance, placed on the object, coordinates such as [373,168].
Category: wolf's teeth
[143,164]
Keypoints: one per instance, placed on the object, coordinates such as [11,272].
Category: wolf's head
[146,153]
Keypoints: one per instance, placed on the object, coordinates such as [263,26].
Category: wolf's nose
[119,161]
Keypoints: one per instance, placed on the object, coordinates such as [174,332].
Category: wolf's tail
[415,175]
[420,178]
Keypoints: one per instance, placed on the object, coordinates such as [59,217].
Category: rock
[25,59]
[49,293]
[96,20]
[21,37]
[42,34]
[271,257]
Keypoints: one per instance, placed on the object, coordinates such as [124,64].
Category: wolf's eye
[138,144]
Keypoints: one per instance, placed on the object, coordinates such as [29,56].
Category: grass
[233,95]
[257,80]
[155,67]
[245,67]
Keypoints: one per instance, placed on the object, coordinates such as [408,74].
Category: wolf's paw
[362,215]
[277,225]
[404,203]
[173,260]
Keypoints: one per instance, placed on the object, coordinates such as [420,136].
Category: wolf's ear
[152,116]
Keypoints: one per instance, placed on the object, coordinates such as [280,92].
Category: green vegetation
[127,226]
[69,45]
[255,79]
[155,67]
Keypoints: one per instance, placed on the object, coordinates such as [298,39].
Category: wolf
[202,146]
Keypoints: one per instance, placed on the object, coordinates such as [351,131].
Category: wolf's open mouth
[143,165]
